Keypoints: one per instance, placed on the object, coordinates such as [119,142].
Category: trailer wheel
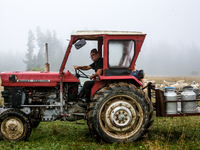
[120,113]
[15,126]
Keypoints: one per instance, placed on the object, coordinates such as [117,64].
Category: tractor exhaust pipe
[46,64]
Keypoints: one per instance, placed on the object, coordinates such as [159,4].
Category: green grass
[167,133]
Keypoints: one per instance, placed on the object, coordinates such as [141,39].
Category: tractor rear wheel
[14,126]
[120,113]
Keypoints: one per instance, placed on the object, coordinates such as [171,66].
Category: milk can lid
[187,87]
[169,87]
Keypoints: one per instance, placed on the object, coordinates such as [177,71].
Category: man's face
[94,56]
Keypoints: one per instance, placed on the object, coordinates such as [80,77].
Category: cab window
[120,53]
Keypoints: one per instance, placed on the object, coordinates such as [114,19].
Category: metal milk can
[196,90]
[188,94]
[170,95]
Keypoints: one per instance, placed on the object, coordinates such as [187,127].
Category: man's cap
[94,50]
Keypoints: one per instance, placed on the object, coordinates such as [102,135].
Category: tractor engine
[44,103]
[42,96]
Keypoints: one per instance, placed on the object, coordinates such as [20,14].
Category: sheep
[152,81]
[179,86]
[195,85]
[162,86]
[171,83]
[176,86]
[183,84]
[145,80]
[181,81]
[165,84]
[157,85]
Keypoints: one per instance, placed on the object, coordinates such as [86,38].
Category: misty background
[171,46]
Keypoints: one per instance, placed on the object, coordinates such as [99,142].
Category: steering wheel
[83,75]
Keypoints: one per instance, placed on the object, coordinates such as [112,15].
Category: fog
[171,46]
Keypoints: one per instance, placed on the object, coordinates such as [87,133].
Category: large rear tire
[14,126]
[120,113]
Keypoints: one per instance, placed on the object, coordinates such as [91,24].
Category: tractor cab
[119,50]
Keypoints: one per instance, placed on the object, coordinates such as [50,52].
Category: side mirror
[80,44]
[141,74]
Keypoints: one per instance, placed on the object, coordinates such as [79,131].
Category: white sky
[173,21]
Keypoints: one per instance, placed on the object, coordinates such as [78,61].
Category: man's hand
[76,67]
[92,76]
[99,71]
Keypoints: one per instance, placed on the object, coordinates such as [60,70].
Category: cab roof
[99,32]
[95,34]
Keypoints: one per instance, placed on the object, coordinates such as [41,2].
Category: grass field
[167,133]
[179,133]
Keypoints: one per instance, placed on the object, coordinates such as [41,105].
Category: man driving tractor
[97,65]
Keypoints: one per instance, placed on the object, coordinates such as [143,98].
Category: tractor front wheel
[14,126]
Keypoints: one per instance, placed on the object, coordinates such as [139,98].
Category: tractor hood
[34,78]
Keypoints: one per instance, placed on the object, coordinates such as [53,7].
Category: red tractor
[119,110]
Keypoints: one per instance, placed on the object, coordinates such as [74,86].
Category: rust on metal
[47,64]
[160,105]
[47,67]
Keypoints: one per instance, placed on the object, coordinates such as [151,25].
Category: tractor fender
[103,80]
